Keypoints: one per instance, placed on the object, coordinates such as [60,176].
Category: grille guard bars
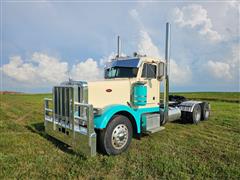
[77,130]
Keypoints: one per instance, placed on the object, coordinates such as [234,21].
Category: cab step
[155,129]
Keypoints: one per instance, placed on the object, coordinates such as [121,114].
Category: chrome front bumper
[76,130]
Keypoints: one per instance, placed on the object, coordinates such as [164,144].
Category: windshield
[121,72]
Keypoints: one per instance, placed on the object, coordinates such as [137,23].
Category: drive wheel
[117,136]
[196,114]
[205,111]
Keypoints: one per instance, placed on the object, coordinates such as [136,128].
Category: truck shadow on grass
[39,129]
[181,121]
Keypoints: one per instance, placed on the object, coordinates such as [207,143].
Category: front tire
[116,137]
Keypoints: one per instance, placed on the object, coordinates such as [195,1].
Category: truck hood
[107,92]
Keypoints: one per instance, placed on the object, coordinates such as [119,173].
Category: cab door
[149,75]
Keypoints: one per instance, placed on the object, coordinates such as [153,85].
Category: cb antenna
[69,76]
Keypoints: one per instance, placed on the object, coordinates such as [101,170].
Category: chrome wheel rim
[120,136]
[198,116]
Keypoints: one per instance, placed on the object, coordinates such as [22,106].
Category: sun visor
[123,63]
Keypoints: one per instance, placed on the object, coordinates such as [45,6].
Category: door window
[149,71]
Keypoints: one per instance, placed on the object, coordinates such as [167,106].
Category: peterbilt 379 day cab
[107,114]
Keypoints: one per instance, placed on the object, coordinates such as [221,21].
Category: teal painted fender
[100,122]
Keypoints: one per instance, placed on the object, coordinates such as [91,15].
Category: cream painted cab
[117,90]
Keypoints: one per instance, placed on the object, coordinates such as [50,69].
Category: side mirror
[160,71]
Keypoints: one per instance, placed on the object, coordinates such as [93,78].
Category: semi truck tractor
[133,99]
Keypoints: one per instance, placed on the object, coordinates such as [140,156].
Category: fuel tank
[174,113]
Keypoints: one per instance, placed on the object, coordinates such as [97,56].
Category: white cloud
[134,14]
[146,45]
[49,69]
[42,70]
[86,70]
[219,69]
[235,60]
[178,74]
[106,59]
[228,68]
[195,16]
[19,70]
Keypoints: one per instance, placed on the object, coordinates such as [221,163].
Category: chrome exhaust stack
[166,79]
[118,46]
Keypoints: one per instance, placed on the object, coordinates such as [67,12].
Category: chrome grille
[63,99]
[71,119]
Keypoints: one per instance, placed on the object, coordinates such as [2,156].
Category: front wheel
[117,136]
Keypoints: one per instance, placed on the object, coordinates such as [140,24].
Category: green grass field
[210,149]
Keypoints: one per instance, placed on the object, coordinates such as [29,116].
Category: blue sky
[43,43]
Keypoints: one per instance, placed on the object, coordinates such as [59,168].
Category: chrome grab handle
[88,118]
[46,106]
